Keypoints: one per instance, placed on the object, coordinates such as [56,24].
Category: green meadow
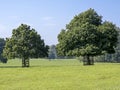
[59,75]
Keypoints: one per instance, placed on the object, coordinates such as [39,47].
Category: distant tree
[87,36]
[2,44]
[52,52]
[25,43]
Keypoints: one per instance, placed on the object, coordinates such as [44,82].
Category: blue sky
[48,17]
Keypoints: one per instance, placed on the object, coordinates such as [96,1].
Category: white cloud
[50,24]
[48,21]
[14,17]
[47,18]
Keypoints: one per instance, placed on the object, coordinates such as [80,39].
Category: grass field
[59,75]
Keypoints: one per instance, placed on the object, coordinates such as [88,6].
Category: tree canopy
[25,43]
[87,35]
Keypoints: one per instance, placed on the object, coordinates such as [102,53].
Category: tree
[86,35]
[52,52]
[25,43]
[2,44]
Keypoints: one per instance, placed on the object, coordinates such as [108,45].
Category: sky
[48,17]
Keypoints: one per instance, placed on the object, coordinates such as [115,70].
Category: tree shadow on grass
[10,66]
[45,66]
[32,66]
[52,65]
[29,66]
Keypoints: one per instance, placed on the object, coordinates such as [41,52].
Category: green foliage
[25,43]
[87,35]
[90,16]
[117,49]
[112,57]
[109,36]
[2,44]
[59,75]
[61,46]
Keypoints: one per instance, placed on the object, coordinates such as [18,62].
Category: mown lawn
[59,75]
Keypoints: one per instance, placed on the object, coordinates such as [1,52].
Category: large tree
[86,35]
[25,43]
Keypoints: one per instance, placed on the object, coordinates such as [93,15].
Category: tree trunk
[88,61]
[92,60]
[25,62]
